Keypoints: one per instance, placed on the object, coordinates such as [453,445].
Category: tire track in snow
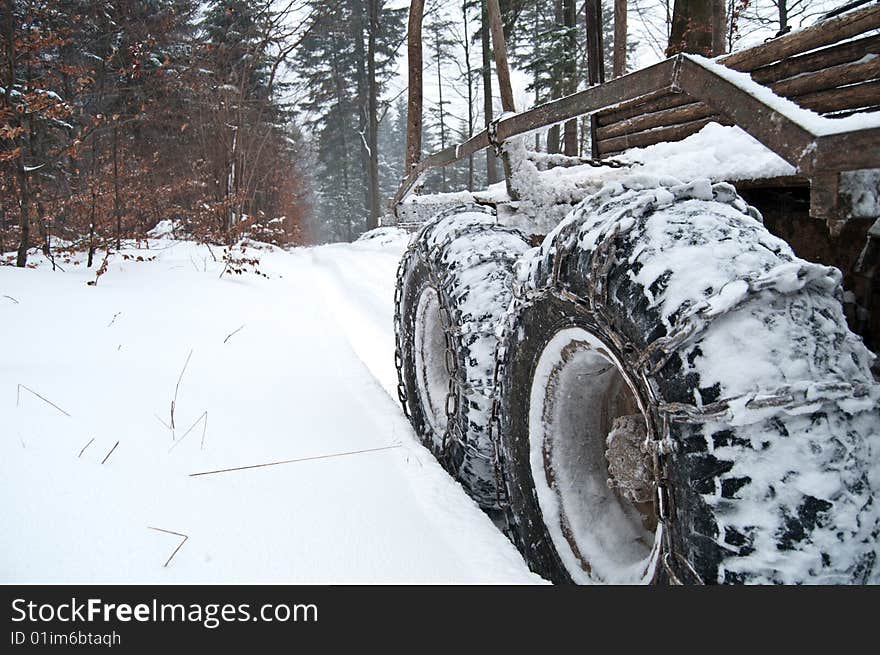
[450,512]
[364,311]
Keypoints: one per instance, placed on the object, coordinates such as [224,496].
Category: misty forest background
[281,120]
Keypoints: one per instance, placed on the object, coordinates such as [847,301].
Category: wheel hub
[592,476]
[629,464]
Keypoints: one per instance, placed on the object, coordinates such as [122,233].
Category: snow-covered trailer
[623,360]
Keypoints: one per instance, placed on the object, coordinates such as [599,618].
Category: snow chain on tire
[596,235]
[465,449]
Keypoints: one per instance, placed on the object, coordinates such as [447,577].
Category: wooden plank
[851,73]
[839,54]
[784,181]
[594,136]
[848,151]
[817,36]
[583,102]
[442,158]
[691,112]
[651,102]
[856,96]
[650,137]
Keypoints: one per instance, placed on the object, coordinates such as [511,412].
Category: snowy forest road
[295,366]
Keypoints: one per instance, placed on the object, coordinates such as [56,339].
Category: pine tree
[333,64]
[438,36]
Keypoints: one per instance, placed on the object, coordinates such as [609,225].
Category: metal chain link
[420,245]
[495,417]
[551,159]
[398,320]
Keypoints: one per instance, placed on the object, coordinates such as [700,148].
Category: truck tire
[680,400]
[453,285]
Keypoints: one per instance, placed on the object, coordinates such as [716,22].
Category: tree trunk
[373,112]
[595,51]
[437,48]
[340,101]
[556,74]
[94,191]
[361,79]
[782,6]
[536,76]
[17,165]
[719,27]
[24,201]
[92,217]
[500,49]
[116,208]
[691,28]
[231,183]
[466,43]
[414,103]
[570,142]
[620,37]
[491,167]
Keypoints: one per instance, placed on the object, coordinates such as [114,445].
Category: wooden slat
[624,88]
[829,78]
[786,181]
[857,96]
[442,158]
[861,110]
[651,137]
[817,36]
[848,151]
[691,112]
[839,54]
[666,125]
[831,67]
[657,101]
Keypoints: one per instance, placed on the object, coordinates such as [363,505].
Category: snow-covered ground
[299,365]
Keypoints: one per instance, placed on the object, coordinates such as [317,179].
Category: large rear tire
[453,286]
[680,400]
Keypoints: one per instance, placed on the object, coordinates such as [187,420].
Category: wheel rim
[432,378]
[578,390]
